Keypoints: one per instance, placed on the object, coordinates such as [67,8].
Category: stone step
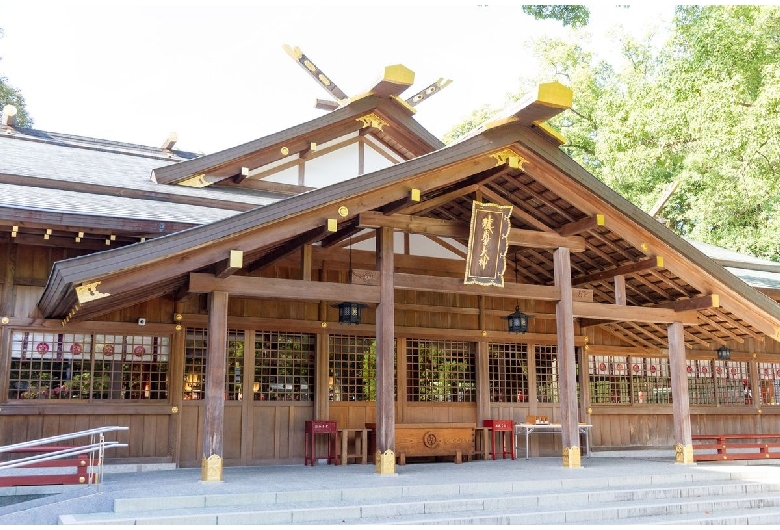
[420,508]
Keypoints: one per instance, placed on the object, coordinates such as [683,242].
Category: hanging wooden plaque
[486,258]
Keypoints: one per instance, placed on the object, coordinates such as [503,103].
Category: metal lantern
[724,354]
[350,312]
[517,322]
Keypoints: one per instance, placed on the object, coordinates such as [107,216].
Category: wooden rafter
[640,329]
[230,265]
[622,333]
[583,225]
[346,231]
[428,204]
[288,247]
[524,270]
[455,229]
[608,242]
[623,270]
[517,212]
[650,285]
[725,316]
[514,198]
[720,327]
[670,282]
[700,302]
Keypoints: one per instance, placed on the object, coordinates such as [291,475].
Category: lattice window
[196,353]
[88,366]
[651,380]
[769,383]
[732,380]
[352,370]
[440,371]
[508,372]
[284,366]
[609,380]
[546,373]
[701,384]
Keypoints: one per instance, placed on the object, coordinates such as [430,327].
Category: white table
[548,428]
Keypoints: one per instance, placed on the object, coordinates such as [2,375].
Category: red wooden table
[313,428]
[504,428]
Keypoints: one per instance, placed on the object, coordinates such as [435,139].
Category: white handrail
[99,446]
[61,437]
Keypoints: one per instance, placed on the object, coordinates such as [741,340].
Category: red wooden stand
[319,427]
[505,429]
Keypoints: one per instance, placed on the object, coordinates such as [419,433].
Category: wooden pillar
[585,408]
[482,369]
[321,378]
[212,460]
[306,263]
[620,290]
[680,399]
[385,323]
[567,371]
[7,298]
[175,387]
[248,404]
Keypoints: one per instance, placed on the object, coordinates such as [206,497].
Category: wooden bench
[79,462]
[735,447]
[431,439]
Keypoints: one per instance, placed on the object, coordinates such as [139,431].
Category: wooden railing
[43,455]
[720,447]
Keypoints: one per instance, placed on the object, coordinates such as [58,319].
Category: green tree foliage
[702,109]
[12,96]
[574,16]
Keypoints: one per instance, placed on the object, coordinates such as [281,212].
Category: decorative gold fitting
[82,480]
[285,151]
[177,327]
[324,324]
[508,156]
[590,410]
[174,410]
[484,333]
[5,320]
[177,317]
[760,411]
[372,120]
[343,211]
[333,225]
[644,246]
[82,462]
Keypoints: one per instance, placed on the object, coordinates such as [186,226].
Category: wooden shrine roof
[551,195]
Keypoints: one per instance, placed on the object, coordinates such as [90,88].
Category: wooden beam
[349,229]
[631,268]
[414,282]
[437,200]
[632,313]
[707,301]
[583,225]
[288,247]
[456,229]
[281,289]
[170,141]
[517,213]
[240,177]
[229,265]
[325,104]
[394,79]
[400,204]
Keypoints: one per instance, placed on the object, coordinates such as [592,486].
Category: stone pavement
[542,473]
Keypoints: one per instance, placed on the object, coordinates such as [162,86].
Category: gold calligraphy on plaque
[486,258]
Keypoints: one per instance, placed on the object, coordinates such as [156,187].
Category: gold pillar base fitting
[211,469]
[683,454]
[571,457]
[385,462]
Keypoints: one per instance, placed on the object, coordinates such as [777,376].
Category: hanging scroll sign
[486,259]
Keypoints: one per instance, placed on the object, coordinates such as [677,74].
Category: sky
[215,72]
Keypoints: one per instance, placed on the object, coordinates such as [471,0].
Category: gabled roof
[512,162]
[403,133]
